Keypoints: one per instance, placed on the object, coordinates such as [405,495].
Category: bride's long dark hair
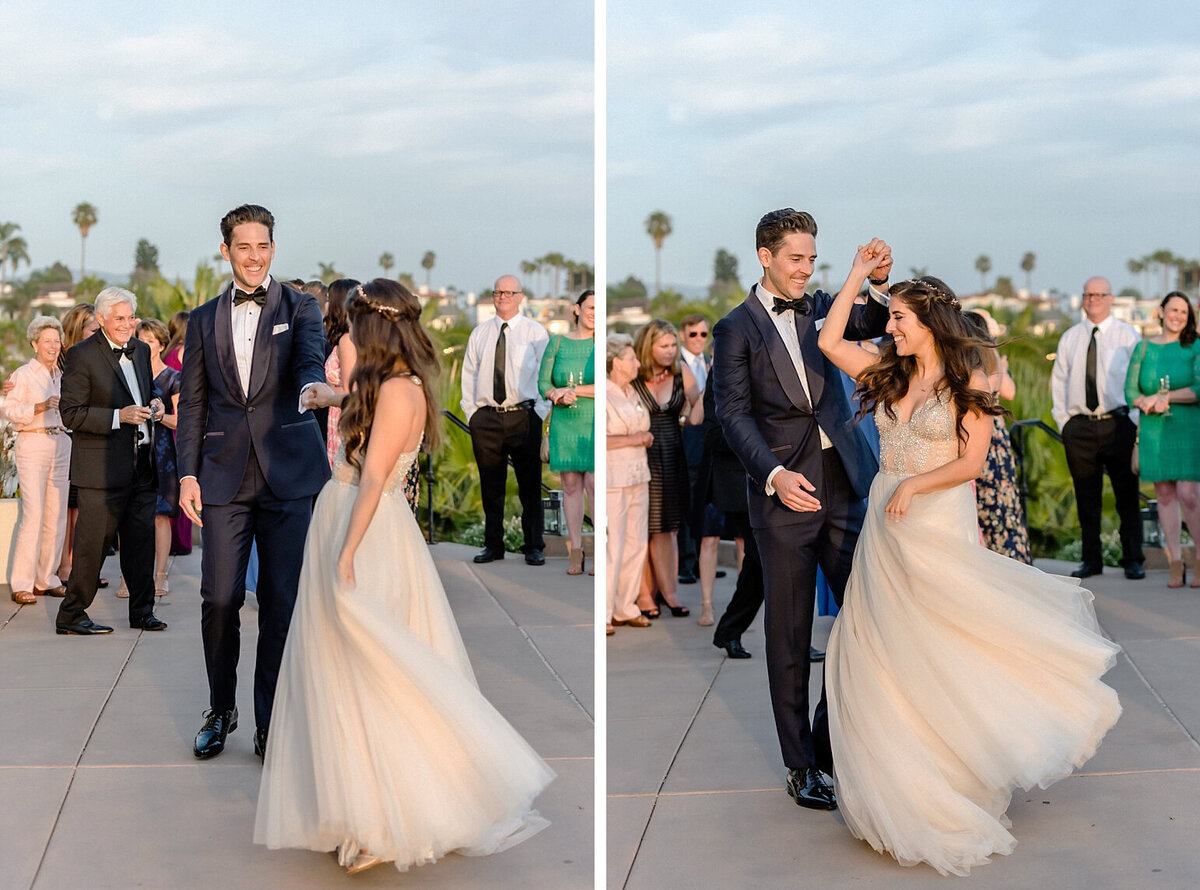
[936,308]
[386,329]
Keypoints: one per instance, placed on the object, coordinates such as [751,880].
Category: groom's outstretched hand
[794,490]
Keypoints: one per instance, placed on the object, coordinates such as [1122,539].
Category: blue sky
[461,127]
[950,129]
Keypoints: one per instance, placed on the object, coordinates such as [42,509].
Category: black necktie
[126,350]
[259,296]
[499,389]
[1091,395]
[800,307]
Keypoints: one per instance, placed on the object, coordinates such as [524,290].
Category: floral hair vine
[391,313]
[936,292]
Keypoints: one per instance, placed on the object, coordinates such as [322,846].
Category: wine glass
[571,386]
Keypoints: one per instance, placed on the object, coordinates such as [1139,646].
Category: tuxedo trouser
[748,592]
[1093,448]
[279,526]
[790,556]
[495,437]
[628,538]
[43,465]
[103,514]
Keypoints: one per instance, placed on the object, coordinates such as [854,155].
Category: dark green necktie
[499,389]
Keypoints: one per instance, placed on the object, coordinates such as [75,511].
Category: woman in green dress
[1163,383]
[567,379]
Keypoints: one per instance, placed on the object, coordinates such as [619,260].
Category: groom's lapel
[810,352]
[781,360]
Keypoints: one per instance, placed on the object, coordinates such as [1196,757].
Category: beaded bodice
[927,441]
[344,472]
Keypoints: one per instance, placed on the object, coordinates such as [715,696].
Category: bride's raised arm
[842,352]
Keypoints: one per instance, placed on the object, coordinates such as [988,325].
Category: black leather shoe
[720,573]
[533,557]
[260,743]
[487,554]
[210,740]
[1086,570]
[686,577]
[150,623]
[733,648]
[815,654]
[808,788]
[1134,571]
[85,627]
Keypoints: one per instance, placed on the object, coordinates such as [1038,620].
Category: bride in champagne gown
[954,674]
[381,745]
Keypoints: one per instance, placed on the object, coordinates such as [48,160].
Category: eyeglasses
[701,334]
[1096,296]
[507,293]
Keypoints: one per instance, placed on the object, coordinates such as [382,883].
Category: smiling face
[119,323]
[250,251]
[1174,316]
[1097,299]
[150,340]
[507,296]
[695,337]
[906,329]
[786,272]
[587,315]
[47,347]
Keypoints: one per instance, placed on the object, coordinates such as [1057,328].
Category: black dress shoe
[210,740]
[1086,570]
[260,743]
[686,577]
[720,573]
[808,788]
[1134,571]
[487,554]
[533,557]
[150,623]
[815,654]
[85,627]
[733,648]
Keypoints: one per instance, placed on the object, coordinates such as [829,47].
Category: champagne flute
[571,385]
[1164,390]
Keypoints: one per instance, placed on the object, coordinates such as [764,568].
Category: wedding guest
[567,378]
[504,410]
[154,334]
[668,391]
[43,457]
[1001,519]
[1163,382]
[1088,389]
[181,526]
[78,323]
[627,495]
[339,365]
[693,338]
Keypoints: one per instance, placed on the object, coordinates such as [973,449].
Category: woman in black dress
[166,381]
[668,390]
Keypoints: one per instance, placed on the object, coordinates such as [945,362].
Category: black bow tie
[800,307]
[127,350]
[259,296]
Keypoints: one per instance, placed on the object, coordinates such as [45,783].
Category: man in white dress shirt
[1088,388]
[504,410]
[693,338]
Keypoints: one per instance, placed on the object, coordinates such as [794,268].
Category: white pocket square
[279,329]
[818,324]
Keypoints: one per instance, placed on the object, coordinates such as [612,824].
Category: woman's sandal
[160,584]
[24,597]
[575,566]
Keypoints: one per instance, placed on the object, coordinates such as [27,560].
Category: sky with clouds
[461,127]
[950,129]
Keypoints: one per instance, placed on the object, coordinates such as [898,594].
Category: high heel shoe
[362,862]
[706,616]
[160,584]
[1195,573]
[1176,579]
[575,562]
[676,611]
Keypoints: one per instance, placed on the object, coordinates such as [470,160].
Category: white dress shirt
[244,320]
[699,366]
[1114,347]
[33,383]
[126,364]
[524,342]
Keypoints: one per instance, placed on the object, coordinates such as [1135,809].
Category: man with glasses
[693,339]
[504,410]
[1088,389]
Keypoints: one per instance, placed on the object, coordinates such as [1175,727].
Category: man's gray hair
[41,323]
[114,296]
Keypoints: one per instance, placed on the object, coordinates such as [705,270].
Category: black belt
[504,409]
[1123,411]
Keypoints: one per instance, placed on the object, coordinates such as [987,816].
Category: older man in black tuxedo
[245,442]
[109,404]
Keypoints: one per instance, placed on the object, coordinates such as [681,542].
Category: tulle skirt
[380,738]
[955,675]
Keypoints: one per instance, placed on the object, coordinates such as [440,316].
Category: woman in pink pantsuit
[628,491]
[43,455]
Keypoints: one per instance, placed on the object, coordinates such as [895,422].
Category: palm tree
[918,271]
[1136,267]
[1027,263]
[983,265]
[13,249]
[427,262]
[528,267]
[1165,261]
[658,227]
[84,217]
[386,261]
[555,261]
[328,274]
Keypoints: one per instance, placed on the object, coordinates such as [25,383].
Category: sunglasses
[701,334]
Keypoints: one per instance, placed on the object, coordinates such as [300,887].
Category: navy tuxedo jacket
[767,419]
[93,386]
[218,422]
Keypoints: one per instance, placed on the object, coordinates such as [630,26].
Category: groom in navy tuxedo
[244,442]
[786,417]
